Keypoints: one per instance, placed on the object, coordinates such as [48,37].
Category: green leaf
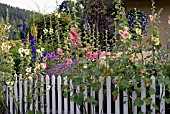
[138,102]
[147,101]
[152,91]
[30,112]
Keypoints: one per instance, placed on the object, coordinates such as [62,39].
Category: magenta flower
[60,52]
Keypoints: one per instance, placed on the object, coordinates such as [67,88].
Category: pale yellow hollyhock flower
[28,70]
[57,15]
[20,50]
[50,30]
[157,41]
[138,31]
[37,66]
[45,31]
[43,65]
[5,47]
[27,51]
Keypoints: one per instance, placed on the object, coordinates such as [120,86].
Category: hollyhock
[99,52]
[152,18]
[169,21]
[121,32]
[107,55]
[60,52]
[132,57]
[115,56]
[69,62]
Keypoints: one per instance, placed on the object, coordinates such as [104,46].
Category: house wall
[145,5]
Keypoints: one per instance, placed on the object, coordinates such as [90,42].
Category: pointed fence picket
[108,88]
[55,96]
[59,95]
[71,102]
[153,95]
[47,95]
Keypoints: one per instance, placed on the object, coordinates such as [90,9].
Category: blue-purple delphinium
[24,36]
[33,47]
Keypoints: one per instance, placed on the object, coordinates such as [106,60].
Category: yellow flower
[43,65]
[45,31]
[27,51]
[20,50]
[50,31]
[138,31]
[28,70]
[5,47]
[57,15]
[155,39]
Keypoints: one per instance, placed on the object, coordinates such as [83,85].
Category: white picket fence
[54,103]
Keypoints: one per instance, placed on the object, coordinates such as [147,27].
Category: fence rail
[53,102]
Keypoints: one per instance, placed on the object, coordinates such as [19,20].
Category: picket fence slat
[25,95]
[85,97]
[153,96]
[162,94]
[11,103]
[42,96]
[93,95]
[77,107]
[85,92]
[101,96]
[47,95]
[143,95]
[59,95]
[53,95]
[36,95]
[71,102]
[20,93]
[6,89]
[125,102]
[16,92]
[117,102]
[30,91]
[65,99]
[108,85]
[134,96]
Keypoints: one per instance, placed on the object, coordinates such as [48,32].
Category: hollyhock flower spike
[60,52]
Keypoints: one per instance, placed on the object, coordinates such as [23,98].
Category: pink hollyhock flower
[77,56]
[169,21]
[126,35]
[75,45]
[85,49]
[88,54]
[99,52]
[107,55]
[74,34]
[115,55]
[121,32]
[92,56]
[46,65]
[132,57]
[79,43]
[60,52]
[152,18]
[99,61]
[69,62]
